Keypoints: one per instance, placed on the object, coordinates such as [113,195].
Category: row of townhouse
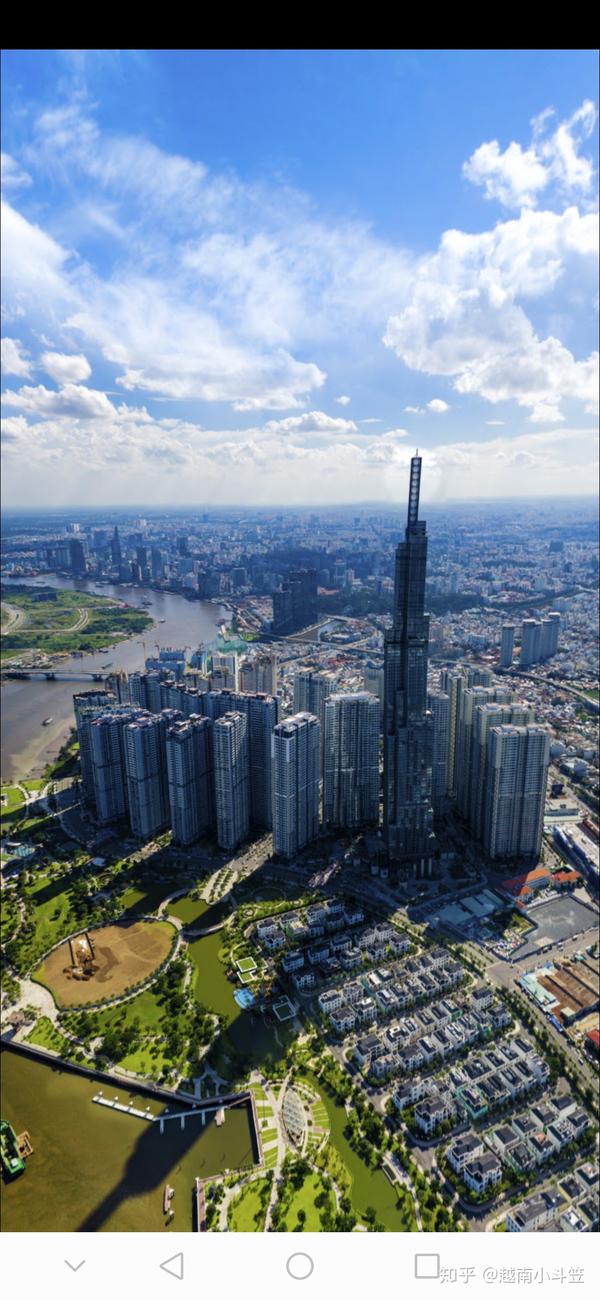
[297,927]
[539,1134]
[419,1041]
[572,1207]
[499,1075]
[388,990]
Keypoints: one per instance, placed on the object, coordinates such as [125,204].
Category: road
[16,616]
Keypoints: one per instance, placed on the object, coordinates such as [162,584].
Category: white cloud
[437,407]
[463,318]
[13,176]
[495,422]
[517,176]
[124,455]
[34,282]
[72,400]
[227,291]
[313,422]
[64,368]
[15,358]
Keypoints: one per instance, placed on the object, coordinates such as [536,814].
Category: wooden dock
[24,1145]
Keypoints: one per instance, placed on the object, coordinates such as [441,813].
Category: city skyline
[197,314]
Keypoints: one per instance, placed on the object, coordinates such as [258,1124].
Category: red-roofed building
[566,879]
[593,1038]
[523,887]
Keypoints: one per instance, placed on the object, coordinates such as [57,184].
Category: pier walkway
[115,1104]
[200,1199]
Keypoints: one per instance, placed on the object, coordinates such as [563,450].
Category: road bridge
[51,675]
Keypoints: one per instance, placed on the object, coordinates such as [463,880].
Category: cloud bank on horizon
[178,333]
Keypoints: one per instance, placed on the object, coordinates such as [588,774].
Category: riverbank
[49,621]
[27,746]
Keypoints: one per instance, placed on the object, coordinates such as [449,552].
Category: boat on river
[12,1164]
[47,721]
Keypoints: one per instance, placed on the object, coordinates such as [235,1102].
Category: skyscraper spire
[408,813]
[414,489]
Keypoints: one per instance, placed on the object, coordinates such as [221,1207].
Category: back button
[174,1266]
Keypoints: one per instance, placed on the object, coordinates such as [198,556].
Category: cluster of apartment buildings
[491,760]
[167,753]
[539,640]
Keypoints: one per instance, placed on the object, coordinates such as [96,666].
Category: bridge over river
[51,675]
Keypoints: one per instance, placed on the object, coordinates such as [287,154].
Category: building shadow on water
[155,1160]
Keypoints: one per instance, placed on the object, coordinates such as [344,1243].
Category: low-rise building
[434,1111]
[534,1212]
[330,1000]
[292,961]
[464,1149]
[366,1011]
[367,1049]
[483,1172]
[343,1020]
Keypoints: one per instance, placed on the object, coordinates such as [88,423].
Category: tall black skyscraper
[115,548]
[295,605]
[408,813]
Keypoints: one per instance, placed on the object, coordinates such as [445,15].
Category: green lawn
[52,917]
[270,1158]
[246,964]
[9,916]
[369,1186]
[47,625]
[304,1199]
[14,798]
[149,1058]
[140,900]
[247,1213]
[145,1008]
[45,1034]
[268,1135]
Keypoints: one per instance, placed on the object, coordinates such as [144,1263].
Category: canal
[96,1170]
[27,746]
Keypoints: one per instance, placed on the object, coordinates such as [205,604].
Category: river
[97,1170]
[27,746]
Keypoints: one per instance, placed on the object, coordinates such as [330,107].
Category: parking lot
[558,919]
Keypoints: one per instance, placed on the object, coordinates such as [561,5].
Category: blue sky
[266,276]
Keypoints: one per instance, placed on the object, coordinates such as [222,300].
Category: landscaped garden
[247,1212]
